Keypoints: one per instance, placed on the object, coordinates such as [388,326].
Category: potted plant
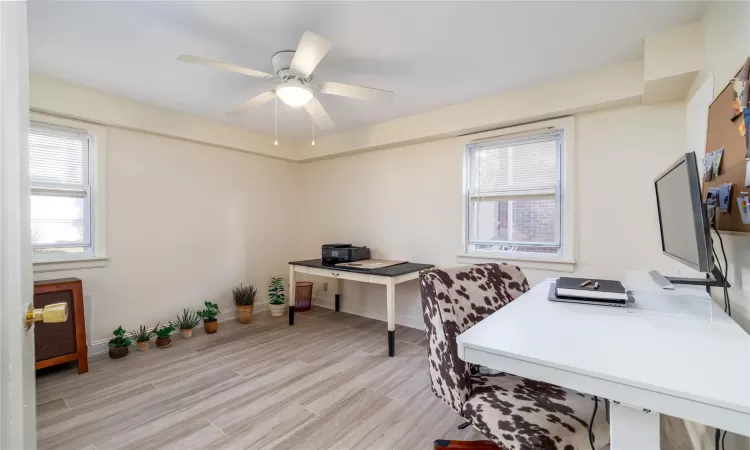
[143,337]
[186,322]
[244,298]
[208,314]
[162,335]
[118,345]
[276,297]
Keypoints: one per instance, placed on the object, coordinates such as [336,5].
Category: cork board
[723,132]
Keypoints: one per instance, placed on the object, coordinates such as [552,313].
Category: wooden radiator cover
[57,343]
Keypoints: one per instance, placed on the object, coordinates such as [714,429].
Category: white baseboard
[407,321]
[101,346]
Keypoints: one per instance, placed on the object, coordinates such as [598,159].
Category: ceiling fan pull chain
[312,121]
[276,120]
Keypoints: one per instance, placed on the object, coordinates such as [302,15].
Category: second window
[514,194]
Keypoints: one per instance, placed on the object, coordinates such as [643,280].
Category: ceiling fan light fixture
[294,94]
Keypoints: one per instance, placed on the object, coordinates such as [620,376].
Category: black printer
[339,253]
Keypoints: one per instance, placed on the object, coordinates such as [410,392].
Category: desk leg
[292,292]
[633,428]
[337,286]
[390,305]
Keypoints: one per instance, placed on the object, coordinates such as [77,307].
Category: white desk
[663,355]
[388,276]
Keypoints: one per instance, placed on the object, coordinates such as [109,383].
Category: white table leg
[632,428]
[292,292]
[390,305]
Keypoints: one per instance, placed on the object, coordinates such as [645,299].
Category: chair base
[442,444]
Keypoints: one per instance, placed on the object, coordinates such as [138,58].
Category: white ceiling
[431,54]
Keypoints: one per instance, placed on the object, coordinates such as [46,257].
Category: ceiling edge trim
[600,89]
[620,85]
[51,96]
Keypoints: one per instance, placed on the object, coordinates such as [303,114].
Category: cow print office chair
[513,412]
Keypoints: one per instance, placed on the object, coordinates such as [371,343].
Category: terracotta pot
[277,310]
[142,345]
[244,313]
[163,342]
[118,352]
[186,333]
[210,326]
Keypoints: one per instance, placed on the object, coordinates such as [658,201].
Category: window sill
[56,265]
[522,261]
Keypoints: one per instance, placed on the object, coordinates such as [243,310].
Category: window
[63,166]
[514,196]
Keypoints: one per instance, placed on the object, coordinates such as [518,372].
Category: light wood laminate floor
[326,382]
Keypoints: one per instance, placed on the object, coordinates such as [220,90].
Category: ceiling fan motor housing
[281,62]
[296,87]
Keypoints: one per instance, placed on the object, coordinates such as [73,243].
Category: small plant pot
[277,310]
[118,352]
[143,345]
[211,326]
[186,333]
[244,313]
[163,342]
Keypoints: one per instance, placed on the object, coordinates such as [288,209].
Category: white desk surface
[665,343]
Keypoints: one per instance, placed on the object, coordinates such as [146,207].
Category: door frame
[17,377]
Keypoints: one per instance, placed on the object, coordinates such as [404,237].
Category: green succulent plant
[164,331]
[120,339]
[276,291]
[244,295]
[143,334]
[187,320]
[210,312]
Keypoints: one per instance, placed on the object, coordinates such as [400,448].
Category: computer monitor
[683,220]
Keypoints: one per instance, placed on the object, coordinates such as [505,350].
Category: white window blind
[57,156]
[515,167]
[514,193]
[60,189]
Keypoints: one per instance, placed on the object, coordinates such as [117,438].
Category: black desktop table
[388,276]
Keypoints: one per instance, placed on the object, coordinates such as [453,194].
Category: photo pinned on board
[712,197]
[717,161]
[743,203]
[708,164]
[725,191]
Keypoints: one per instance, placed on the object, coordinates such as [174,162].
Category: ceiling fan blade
[319,114]
[223,66]
[255,101]
[352,91]
[311,49]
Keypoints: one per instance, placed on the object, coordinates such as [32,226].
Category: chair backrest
[453,300]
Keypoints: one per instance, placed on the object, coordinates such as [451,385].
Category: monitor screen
[685,235]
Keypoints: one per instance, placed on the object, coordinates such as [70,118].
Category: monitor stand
[715,278]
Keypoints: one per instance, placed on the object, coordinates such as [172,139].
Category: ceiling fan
[293,70]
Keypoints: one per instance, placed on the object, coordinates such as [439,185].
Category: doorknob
[53,313]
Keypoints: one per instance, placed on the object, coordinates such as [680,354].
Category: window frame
[565,198]
[471,220]
[95,207]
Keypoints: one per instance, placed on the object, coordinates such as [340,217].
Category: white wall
[406,203]
[727,40]
[186,223]
[727,47]
[727,44]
